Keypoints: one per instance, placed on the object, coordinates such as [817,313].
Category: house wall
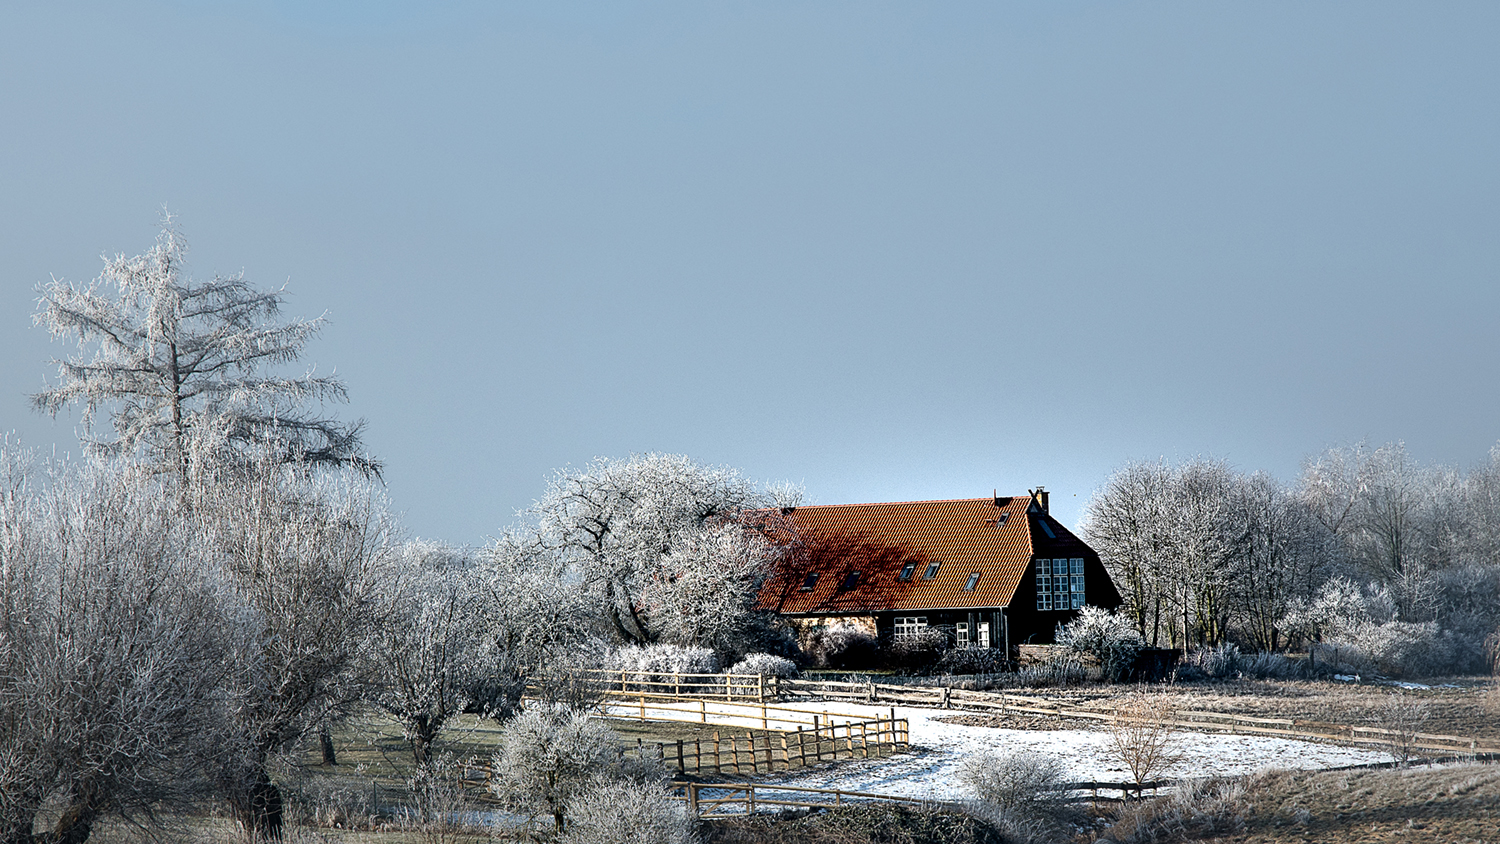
[1030,626]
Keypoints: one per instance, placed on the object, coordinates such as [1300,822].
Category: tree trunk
[256,804]
[75,824]
[325,743]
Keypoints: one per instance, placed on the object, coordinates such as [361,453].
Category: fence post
[643,707]
[947,692]
[786,752]
[676,684]
[760,691]
[752,789]
[801,748]
[864,739]
[717,767]
[681,768]
[763,722]
[693,797]
[702,711]
[698,756]
[871,693]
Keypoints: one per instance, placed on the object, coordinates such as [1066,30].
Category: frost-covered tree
[301,559]
[615,523]
[179,366]
[427,657]
[706,587]
[627,812]
[550,755]
[110,651]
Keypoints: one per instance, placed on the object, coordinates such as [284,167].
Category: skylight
[907,571]
[850,580]
[932,568]
[809,582]
[1046,527]
[973,581]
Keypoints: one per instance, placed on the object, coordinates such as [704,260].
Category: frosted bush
[918,650]
[766,665]
[547,756]
[659,661]
[1061,671]
[1019,793]
[624,812]
[1218,662]
[841,645]
[1109,638]
[1400,648]
[1269,666]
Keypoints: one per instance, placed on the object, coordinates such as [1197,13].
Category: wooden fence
[717,800]
[1005,703]
[767,753]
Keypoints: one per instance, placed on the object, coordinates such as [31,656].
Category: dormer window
[931,572]
[850,581]
[907,571]
[809,582]
[973,581]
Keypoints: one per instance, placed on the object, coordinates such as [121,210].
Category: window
[1060,590]
[809,582]
[973,581]
[1043,584]
[850,581]
[931,572]
[1076,565]
[910,626]
[1046,528]
[906,571]
[961,634]
[984,635]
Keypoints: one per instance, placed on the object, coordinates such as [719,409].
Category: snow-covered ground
[930,771]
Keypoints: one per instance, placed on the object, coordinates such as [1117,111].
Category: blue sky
[885,250]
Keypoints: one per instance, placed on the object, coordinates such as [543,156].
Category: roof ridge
[990,498]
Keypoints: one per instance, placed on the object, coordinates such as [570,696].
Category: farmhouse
[991,572]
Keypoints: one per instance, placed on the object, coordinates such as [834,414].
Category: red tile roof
[994,537]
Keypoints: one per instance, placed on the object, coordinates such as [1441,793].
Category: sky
[888,251]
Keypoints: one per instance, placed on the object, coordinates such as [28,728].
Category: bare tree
[178,363]
[1142,735]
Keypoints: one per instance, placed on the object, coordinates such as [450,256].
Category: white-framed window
[983,640]
[1076,566]
[1059,583]
[961,634]
[909,626]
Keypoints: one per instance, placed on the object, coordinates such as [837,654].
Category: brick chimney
[1040,496]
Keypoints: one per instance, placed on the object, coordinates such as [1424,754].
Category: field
[366,797]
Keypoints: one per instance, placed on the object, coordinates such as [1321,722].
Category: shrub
[1019,793]
[973,661]
[1395,648]
[1059,671]
[1218,663]
[549,755]
[1402,716]
[842,645]
[1111,639]
[766,665]
[661,661]
[625,812]
[1197,809]
[1270,666]
[917,650]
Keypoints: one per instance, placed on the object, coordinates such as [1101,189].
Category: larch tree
[180,366]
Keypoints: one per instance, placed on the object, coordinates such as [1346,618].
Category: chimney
[1041,499]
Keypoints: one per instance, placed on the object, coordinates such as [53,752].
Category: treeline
[1394,562]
